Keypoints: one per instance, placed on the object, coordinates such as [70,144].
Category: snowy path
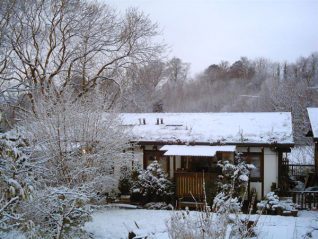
[116,223]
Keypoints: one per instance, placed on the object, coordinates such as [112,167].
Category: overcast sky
[203,32]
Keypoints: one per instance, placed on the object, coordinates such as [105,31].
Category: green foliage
[235,177]
[125,180]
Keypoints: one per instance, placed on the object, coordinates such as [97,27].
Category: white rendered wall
[178,162]
[138,156]
[270,169]
[171,166]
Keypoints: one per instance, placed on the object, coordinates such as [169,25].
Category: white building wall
[270,169]
[138,156]
[178,162]
[171,166]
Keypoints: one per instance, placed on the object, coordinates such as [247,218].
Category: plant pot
[286,213]
[125,198]
[294,213]
[279,211]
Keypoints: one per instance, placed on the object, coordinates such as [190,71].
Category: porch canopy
[196,150]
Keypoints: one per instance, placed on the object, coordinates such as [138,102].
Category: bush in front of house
[125,180]
[273,205]
[152,185]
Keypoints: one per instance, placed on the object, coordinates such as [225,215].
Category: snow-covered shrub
[153,185]
[125,180]
[232,185]
[235,176]
[272,204]
[57,213]
[158,206]
[16,179]
[207,224]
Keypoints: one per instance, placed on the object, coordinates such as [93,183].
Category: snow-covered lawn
[116,223]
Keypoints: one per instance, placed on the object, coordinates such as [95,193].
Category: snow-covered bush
[153,185]
[57,213]
[272,204]
[16,180]
[235,176]
[207,224]
[125,180]
[158,206]
[232,185]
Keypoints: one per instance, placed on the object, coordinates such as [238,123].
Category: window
[225,156]
[255,159]
[152,155]
[198,164]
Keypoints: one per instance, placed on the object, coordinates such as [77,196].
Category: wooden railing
[305,199]
[296,169]
[190,184]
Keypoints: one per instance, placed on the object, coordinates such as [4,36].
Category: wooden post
[280,161]
[316,158]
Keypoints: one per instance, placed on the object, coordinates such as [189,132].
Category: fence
[305,199]
[190,184]
[297,170]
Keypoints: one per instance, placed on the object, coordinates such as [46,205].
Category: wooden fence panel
[305,199]
[190,184]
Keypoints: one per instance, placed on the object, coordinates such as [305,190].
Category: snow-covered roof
[313,117]
[196,150]
[213,128]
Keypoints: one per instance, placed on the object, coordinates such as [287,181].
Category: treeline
[244,86]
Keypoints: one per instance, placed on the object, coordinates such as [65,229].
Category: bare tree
[80,144]
[144,83]
[177,71]
[62,43]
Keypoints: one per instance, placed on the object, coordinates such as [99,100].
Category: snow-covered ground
[116,223]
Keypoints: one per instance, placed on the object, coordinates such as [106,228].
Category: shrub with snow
[153,185]
[57,213]
[272,204]
[125,180]
[232,184]
[16,180]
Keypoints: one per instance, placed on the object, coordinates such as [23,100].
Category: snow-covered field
[116,223]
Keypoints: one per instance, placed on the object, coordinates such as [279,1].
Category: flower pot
[294,213]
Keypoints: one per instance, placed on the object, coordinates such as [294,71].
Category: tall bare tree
[62,43]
